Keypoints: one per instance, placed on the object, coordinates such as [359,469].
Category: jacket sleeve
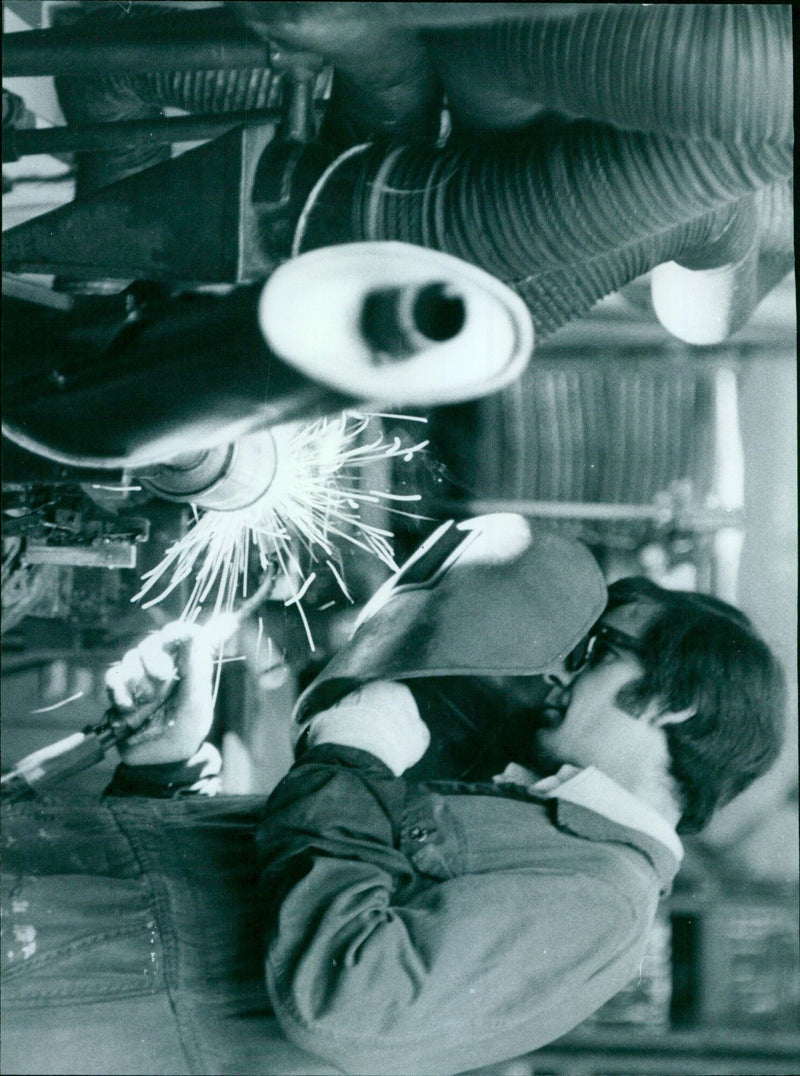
[197,776]
[379,969]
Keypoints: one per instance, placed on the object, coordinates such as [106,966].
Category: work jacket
[409,927]
[442,926]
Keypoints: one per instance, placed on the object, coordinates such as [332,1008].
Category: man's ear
[661,717]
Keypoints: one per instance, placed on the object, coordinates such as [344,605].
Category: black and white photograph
[399,540]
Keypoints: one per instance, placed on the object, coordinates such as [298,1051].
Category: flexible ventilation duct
[703,70]
[565,212]
[693,111]
[112,98]
[685,111]
[586,432]
[719,71]
[776,206]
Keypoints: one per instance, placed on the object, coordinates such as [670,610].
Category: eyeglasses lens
[598,644]
[582,654]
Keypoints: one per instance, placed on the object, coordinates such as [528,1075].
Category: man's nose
[559,693]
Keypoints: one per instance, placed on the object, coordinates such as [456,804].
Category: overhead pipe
[214,38]
[384,85]
[102,137]
[416,15]
[207,39]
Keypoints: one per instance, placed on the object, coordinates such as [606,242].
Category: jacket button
[417,833]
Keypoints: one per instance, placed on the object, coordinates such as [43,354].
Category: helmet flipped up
[489,596]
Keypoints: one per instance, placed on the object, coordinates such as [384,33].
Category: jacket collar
[590,804]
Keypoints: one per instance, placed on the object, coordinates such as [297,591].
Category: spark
[397,496]
[118,489]
[311,507]
[260,637]
[306,627]
[58,705]
[340,581]
[382,414]
[306,584]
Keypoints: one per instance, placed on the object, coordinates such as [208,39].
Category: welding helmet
[488,596]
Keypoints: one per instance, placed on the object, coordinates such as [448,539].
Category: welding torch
[57,761]
[69,756]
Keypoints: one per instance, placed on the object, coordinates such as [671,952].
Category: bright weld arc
[311,499]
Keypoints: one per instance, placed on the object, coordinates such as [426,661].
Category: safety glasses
[601,640]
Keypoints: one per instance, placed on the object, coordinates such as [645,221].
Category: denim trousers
[132,940]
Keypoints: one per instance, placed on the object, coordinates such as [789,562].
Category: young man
[417,925]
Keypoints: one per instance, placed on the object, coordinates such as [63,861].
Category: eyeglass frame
[580,657]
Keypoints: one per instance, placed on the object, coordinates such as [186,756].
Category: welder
[462,863]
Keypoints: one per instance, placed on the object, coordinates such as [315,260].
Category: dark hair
[700,651]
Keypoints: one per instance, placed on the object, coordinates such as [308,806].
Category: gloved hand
[171,670]
[381,717]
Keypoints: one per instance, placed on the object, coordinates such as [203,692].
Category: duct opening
[437,314]
[400,322]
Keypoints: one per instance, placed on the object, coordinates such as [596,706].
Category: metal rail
[98,137]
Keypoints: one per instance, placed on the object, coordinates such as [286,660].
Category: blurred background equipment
[546,178]
[163,162]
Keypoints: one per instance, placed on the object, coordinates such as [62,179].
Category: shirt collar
[593,805]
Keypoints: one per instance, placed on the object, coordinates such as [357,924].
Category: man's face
[584,711]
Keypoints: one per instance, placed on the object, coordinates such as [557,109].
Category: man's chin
[549,717]
[543,758]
